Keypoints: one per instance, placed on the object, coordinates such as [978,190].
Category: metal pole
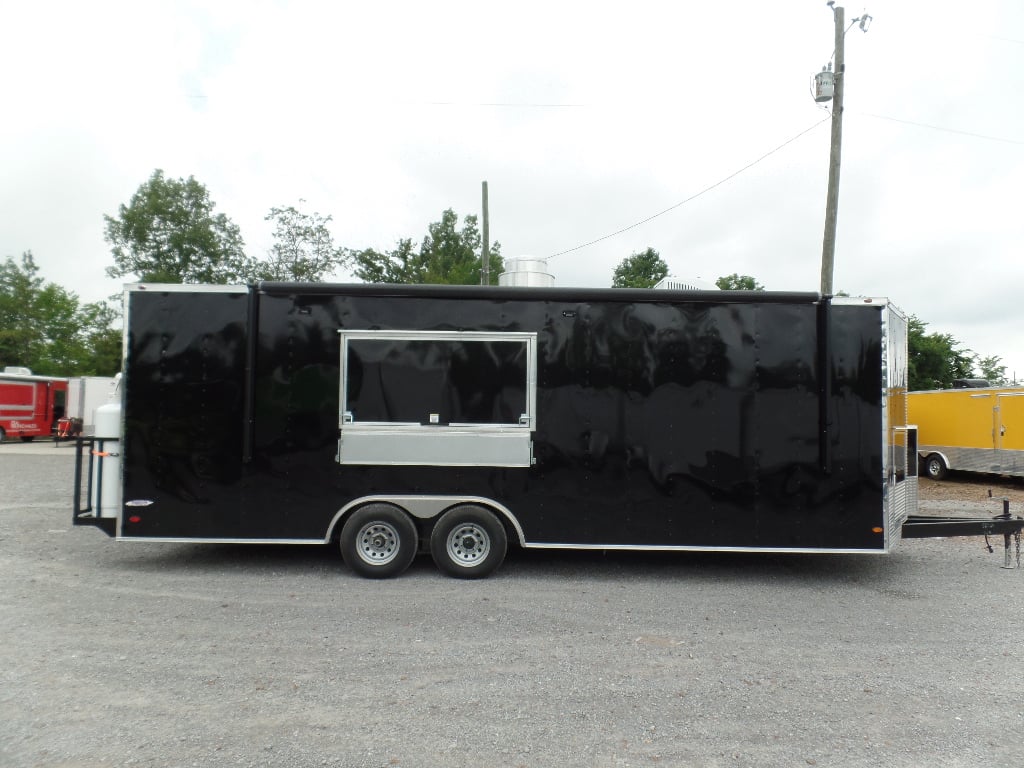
[828,248]
[485,273]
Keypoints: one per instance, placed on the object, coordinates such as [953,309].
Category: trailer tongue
[1010,526]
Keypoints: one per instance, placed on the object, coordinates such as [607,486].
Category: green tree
[738,282]
[45,328]
[934,359]
[991,369]
[454,256]
[303,248]
[169,233]
[400,265]
[103,339]
[19,285]
[448,255]
[641,270]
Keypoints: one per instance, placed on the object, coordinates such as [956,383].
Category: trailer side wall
[682,420]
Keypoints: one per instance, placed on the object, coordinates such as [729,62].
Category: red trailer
[30,406]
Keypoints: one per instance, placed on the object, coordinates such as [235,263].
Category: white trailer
[85,395]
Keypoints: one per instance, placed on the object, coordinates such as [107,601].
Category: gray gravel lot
[131,654]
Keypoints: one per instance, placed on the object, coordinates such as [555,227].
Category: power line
[946,130]
[516,104]
[693,197]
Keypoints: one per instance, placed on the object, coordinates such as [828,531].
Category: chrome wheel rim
[468,545]
[378,543]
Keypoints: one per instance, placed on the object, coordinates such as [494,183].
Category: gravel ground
[132,654]
[972,491]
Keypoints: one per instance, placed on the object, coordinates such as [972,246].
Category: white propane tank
[106,466]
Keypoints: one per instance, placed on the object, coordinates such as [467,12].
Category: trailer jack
[1007,563]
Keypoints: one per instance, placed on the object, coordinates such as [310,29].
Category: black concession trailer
[457,420]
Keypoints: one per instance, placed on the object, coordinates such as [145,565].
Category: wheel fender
[426,508]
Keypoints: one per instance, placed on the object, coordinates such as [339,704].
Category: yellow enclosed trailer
[976,430]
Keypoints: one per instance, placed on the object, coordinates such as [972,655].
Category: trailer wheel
[468,542]
[935,467]
[378,541]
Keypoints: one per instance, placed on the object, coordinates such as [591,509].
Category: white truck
[85,395]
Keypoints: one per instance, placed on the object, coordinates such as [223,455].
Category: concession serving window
[439,398]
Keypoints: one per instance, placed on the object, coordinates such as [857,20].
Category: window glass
[436,381]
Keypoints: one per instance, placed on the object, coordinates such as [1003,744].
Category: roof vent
[527,271]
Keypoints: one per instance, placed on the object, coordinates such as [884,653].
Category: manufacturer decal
[138,503]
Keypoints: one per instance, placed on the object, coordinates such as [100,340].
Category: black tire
[934,467]
[378,541]
[3,435]
[468,542]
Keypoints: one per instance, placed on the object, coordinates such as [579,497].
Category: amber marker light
[878,529]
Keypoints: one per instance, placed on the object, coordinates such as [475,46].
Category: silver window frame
[453,444]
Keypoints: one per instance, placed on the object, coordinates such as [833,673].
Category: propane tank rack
[88,508]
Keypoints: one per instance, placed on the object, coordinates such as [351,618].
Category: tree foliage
[934,359]
[447,255]
[399,265]
[640,270]
[169,233]
[991,369]
[45,328]
[303,248]
[738,282]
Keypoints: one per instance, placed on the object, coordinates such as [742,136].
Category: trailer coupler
[1010,526]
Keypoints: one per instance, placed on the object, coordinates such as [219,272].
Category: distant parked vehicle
[30,406]
[85,395]
[975,429]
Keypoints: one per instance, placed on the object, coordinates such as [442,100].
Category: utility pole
[485,255]
[828,248]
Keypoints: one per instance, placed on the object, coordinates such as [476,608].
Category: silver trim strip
[1002,461]
[184,288]
[179,540]
[689,548]
[529,545]
[401,335]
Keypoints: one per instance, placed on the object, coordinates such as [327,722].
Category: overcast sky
[584,118]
